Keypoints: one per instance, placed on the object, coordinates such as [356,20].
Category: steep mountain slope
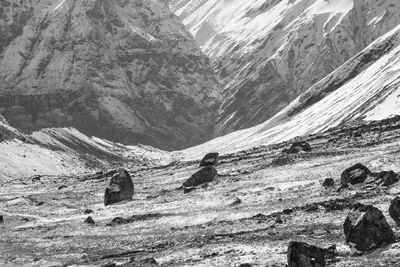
[124,70]
[367,87]
[66,151]
[267,52]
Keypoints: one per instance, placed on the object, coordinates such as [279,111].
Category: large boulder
[210,159]
[205,175]
[120,188]
[355,174]
[297,147]
[367,229]
[304,255]
[394,210]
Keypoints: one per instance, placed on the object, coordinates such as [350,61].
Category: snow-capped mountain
[127,71]
[268,52]
[66,151]
[366,87]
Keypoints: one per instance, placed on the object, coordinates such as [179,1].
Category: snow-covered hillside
[66,151]
[365,87]
[268,52]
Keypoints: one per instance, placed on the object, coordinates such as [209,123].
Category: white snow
[373,94]
[59,5]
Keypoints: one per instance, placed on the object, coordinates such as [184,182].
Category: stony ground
[260,201]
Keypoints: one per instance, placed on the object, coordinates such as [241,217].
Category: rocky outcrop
[267,53]
[366,228]
[125,71]
[120,188]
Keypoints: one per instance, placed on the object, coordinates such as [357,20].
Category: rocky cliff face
[267,52]
[125,70]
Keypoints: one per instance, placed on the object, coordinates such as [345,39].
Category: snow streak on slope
[359,89]
[67,151]
[267,52]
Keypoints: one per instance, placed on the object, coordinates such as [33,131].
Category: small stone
[328,182]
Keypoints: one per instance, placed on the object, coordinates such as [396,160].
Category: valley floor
[236,219]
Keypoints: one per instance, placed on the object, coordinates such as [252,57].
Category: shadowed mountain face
[268,52]
[124,70]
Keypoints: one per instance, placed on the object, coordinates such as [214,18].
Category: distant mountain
[124,70]
[268,52]
[366,87]
[66,151]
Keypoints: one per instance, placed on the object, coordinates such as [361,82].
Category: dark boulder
[328,182]
[61,187]
[303,255]
[36,178]
[89,220]
[387,177]
[205,175]
[355,174]
[394,210]
[298,147]
[367,229]
[120,188]
[210,159]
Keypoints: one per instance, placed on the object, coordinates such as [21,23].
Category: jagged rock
[328,182]
[297,147]
[394,210]
[387,177]
[88,211]
[89,220]
[236,202]
[120,188]
[366,228]
[210,159]
[205,175]
[304,255]
[355,174]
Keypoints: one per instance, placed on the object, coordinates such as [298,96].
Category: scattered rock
[304,255]
[387,177]
[210,159]
[287,211]
[205,175]
[355,174]
[89,220]
[236,202]
[88,211]
[328,182]
[120,188]
[62,187]
[297,147]
[36,178]
[366,228]
[282,160]
[394,210]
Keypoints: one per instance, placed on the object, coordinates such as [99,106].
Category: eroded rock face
[210,159]
[304,255]
[123,70]
[367,229]
[205,175]
[120,188]
[355,174]
[394,210]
